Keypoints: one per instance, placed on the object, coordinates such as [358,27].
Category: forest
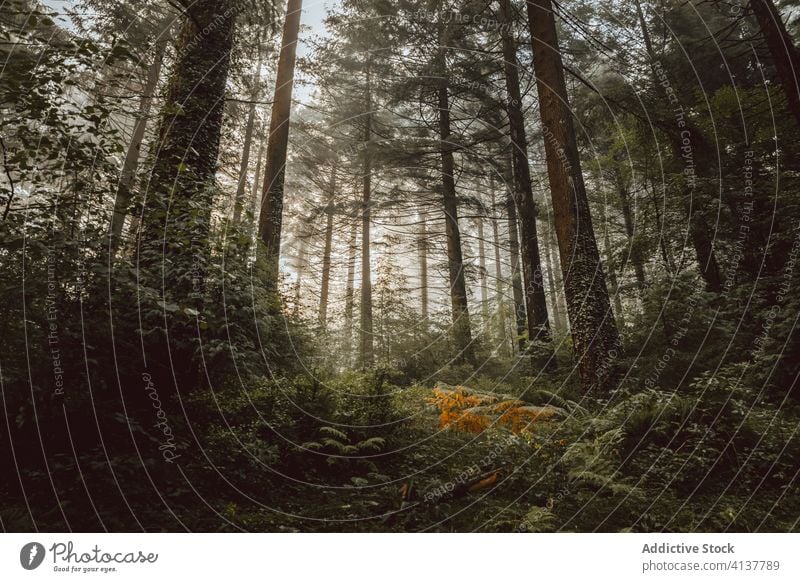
[400,266]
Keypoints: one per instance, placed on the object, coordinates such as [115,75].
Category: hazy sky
[313,11]
[312,21]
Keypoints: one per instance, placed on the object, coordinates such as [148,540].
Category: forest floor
[443,473]
[307,456]
[457,461]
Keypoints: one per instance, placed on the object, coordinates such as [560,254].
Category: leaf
[329,430]
[374,444]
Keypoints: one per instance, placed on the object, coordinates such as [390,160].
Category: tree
[270,221]
[173,252]
[458,287]
[422,245]
[131,164]
[367,340]
[535,299]
[326,253]
[594,331]
[783,51]
[686,138]
[149,30]
[239,200]
[461,328]
[349,298]
[520,317]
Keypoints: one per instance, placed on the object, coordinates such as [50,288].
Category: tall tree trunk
[131,164]
[462,333]
[422,245]
[300,267]
[630,230]
[703,242]
[174,235]
[461,328]
[613,282]
[535,298]
[238,203]
[784,53]
[662,243]
[367,339]
[257,178]
[498,272]
[482,267]
[174,246]
[350,290]
[594,331]
[516,276]
[551,284]
[326,255]
[690,137]
[558,283]
[269,227]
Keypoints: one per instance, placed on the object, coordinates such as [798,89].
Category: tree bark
[498,270]
[367,339]
[422,246]
[594,331]
[173,250]
[300,267]
[662,244]
[458,288]
[630,230]
[535,298]
[270,221]
[691,138]
[516,277]
[257,178]
[482,267]
[174,246]
[558,283]
[131,164]
[350,290]
[326,255]
[784,53]
[703,244]
[558,324]
[613,282]
[238,203]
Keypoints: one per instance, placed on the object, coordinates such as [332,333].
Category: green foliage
[538,520]
[260,403]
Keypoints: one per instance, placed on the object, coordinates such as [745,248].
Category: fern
[538,520]
[373,444]
[336,433]
[339,443]
[334,444]
[570,407]
[594,463]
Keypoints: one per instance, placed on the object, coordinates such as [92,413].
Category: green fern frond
[334,444]
[336,433]
[538,520]
[374,444]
